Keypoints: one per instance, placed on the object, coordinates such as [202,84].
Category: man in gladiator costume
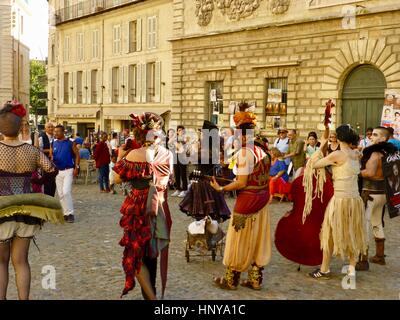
[373,192]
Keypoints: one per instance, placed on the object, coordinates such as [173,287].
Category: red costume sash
[251,201]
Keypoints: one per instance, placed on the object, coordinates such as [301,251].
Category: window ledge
[209,69]
[277,64]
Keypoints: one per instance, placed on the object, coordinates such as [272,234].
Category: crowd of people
[149,162]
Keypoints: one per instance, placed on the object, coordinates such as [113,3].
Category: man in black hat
[210,146]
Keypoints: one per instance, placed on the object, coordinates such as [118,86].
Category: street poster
[391,172]
[391,111]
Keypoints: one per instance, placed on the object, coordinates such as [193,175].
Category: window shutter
[61,89]
[155,32]
[70,84]
[157,82]
[121,83]
[126,37]
[149,32]
[89,86]
[138,83]
[144,83]
[139,34]
[110,85]
[99,87]
[75,89]
[126,83]
[84,85]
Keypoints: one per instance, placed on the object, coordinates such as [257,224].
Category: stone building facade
[14,51]
[108,59]
[308,51]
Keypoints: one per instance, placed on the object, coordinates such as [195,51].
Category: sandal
[318,274]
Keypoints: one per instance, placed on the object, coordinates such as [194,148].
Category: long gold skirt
[251,243]
[344,227]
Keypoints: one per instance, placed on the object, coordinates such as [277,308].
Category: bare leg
[4,262]
[144,279]
[19,258]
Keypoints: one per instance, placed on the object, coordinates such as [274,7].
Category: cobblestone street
[87,259]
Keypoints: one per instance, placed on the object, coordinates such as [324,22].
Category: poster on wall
[391,111]
[277,122]
[232,107]
[274,96]
[391,172]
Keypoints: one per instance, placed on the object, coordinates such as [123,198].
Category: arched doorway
[363,97]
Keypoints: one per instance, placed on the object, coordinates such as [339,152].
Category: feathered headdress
[15,107]
[147,121]
[243,116]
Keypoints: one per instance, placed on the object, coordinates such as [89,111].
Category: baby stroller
[205,236]
[208,207]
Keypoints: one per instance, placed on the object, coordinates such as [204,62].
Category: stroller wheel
[187,255]
[213,254]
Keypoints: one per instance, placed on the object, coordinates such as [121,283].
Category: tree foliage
[37,85]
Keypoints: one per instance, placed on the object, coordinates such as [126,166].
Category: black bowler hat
[209,125]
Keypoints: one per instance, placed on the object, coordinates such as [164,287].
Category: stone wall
[315,56]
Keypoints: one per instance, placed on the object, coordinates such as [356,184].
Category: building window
[276,96]
[93,86]
[95,44]
[215,100]
[117,39]
[115,85]
[22,24]
[132,84]
[116,2]
[66,87]
[132,36]
[79,47]
[52,100]
[79,86]
[151,81]
[152,32]
[66,48]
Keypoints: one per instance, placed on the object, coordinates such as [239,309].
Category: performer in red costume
[248,242]
[146,219]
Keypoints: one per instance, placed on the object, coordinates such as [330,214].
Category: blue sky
[40,29]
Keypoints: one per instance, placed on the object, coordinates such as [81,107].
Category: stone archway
[348,55]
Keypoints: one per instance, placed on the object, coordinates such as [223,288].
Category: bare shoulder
[137,155]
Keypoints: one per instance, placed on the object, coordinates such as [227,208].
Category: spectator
[366,142]
[312,144]
[112,173]
[66,158]
[102,158]
[393,140]
[282,143]
[84,153]
[78,139]
[333,143]
[180,168]
[296,151]
[279,182]
[114,143]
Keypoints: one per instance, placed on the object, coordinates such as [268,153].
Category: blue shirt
[84,154]
[63,155]
[78,140]
[396,143]
[278,166]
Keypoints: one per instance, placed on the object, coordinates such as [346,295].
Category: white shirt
[366,142]
[283,146]
[114,144]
